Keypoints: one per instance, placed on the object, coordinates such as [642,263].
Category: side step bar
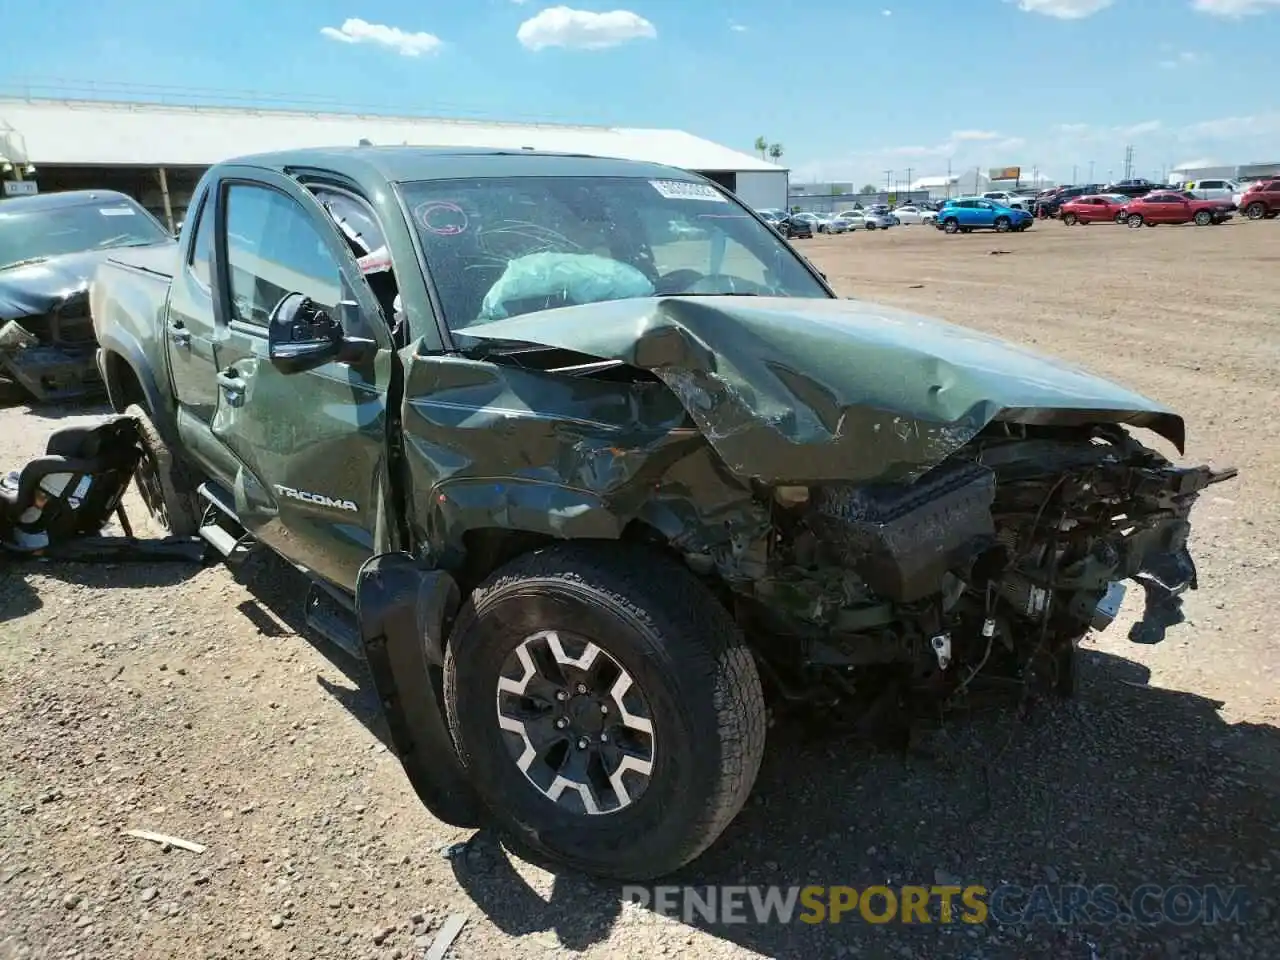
[221,529]
[330,617]
[328,612]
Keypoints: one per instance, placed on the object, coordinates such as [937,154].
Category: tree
[869,188]
[775,152]
[762,146]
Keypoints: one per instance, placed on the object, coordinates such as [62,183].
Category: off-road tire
[684,652]
[165,485]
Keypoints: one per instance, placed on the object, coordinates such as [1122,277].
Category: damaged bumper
[48,372]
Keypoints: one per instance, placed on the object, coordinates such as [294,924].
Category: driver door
[309,448]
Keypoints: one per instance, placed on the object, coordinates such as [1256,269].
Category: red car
[1097,208]
[1262,199]
[1168,206]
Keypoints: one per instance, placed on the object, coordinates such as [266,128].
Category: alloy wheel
[576,723]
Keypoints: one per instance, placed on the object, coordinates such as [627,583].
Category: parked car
[1135,187]
[1017,201]
[1050,204]
[1219,189]
[833,223]
[1261,200]
[966,214]
[1096,208]
[878,220]
[796,226]
[586,515]
[50,244]
[913,213]
[1165,206]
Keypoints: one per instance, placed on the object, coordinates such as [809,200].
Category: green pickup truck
[593,469]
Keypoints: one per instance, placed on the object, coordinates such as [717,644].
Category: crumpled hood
[39,287]
[801,390]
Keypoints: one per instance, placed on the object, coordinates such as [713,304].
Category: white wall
[761,191]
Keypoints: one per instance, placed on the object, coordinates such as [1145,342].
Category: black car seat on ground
[66,497]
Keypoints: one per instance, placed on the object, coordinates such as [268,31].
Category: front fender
[404,611]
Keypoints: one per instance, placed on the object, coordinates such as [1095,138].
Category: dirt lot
[192,703]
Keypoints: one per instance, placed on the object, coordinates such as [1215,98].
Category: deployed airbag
[579,278]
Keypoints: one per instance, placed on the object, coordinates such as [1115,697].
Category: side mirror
[302,336]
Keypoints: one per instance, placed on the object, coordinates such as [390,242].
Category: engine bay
[994,564]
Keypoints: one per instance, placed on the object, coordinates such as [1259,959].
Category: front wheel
[1255,211]
[951,225]
[1134,220]
[1002,224]
[606,708]
[1069,219]
[1121,217]
[1203,218]
[165,485]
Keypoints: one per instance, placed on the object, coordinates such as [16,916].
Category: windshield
[501,247]
[51,232]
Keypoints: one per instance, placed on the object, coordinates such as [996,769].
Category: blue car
[966,214]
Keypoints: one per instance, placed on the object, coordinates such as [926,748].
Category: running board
[221,529]
[333,621]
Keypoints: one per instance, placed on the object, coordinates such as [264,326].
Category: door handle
[180,335]
[232,386]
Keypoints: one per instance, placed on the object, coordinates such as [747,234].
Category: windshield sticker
[378,261]
[116,211]
[682,190]
[441,217]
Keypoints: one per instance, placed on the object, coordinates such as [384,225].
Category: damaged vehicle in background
[588,498]
[49,246]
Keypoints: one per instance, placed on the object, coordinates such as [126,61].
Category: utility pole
[888,176]
[1128,162]
[1073,173]
[948,179]
[1091,171]
[908,183]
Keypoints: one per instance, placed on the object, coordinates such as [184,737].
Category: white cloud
[1198,162]
[582,29]
[1065,9]
[1233,128]
[886,13]
[975,135]
[737,28]
[355,30]
[1184,59]
[1235,8]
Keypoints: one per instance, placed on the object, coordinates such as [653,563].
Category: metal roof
[373,165]
[96,132]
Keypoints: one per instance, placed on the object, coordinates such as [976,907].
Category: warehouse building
[156,152]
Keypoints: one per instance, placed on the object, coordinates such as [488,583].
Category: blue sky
[851,89]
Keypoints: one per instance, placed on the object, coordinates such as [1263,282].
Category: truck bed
[159,260]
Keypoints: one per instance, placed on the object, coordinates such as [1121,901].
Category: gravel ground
[193,703]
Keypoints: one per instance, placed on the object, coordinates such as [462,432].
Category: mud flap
[403,611]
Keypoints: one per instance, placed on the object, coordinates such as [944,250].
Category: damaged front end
[905,505]
[50,352]
[996,562]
